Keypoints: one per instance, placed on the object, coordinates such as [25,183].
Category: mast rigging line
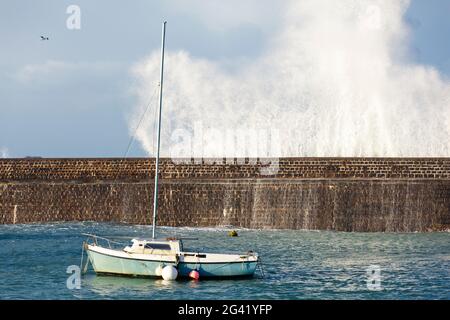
[133,136]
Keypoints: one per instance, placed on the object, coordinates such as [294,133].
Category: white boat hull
[209,265]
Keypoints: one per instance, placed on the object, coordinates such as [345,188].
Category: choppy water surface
[297,264]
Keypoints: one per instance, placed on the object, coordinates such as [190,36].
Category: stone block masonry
[343,194]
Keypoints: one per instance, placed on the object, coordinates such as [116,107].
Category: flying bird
[44,38]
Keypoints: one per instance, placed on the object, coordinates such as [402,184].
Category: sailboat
[165,258]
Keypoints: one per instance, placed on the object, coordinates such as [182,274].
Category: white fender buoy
[169,273]
[158,271]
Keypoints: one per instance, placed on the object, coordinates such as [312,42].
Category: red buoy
[194,274]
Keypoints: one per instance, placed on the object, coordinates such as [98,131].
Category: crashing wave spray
[335,81]
[4,153]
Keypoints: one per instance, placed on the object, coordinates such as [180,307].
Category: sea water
[297,264]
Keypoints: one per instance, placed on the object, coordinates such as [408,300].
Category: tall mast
[155,196]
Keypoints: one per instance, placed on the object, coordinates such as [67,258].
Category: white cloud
[334,81]
[32,72]
[219,15]
[55,70]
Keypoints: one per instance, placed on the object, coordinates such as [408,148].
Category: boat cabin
[162,247]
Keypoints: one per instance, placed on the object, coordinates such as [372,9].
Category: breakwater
[344,194]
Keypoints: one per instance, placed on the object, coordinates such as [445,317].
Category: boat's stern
[216,265]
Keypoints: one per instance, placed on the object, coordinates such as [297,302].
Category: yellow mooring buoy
[232,233]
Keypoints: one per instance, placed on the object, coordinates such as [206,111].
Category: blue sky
[71,96]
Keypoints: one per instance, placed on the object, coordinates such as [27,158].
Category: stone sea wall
[344,194]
